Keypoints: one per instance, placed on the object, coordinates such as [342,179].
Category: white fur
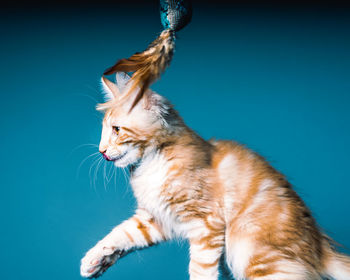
[290,270]
[118,239]
[202,255]
[146,182]
[148,179]
[110,90]
[238,254]
[338,270]
[122,80]
[227,173]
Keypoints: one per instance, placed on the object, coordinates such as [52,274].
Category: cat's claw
[98,260]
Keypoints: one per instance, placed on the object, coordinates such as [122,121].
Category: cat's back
[247,179]
[235,161]
[257,198]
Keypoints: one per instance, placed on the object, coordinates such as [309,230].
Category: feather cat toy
[151,63]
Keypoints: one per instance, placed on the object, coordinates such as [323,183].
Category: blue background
[276,79]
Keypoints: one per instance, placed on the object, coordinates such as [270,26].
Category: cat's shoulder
[228,151]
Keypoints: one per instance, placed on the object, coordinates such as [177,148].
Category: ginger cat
[221,196]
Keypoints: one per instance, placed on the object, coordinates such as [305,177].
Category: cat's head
[128,135]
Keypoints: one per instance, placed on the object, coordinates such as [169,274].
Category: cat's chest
[148,182]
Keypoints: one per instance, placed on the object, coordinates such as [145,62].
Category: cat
[221,196]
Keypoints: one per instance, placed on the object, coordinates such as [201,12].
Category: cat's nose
[103,152]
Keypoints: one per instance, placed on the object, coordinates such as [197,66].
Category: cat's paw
[98,259]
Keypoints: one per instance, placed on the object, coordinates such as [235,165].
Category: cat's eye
[116,129]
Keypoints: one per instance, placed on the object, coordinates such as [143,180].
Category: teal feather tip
[175,14]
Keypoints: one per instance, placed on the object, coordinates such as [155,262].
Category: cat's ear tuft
[110,89]
[122,80]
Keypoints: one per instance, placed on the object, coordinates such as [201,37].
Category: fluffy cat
[221,196]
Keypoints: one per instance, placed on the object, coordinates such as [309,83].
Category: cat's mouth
[118,157]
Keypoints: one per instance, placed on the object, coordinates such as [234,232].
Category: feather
[147,65]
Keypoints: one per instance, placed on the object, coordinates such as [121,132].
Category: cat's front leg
[139,231]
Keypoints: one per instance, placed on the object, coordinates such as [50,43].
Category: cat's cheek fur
[132,155]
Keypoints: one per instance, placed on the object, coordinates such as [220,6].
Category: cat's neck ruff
[150,155]
[151,172]
[147,181]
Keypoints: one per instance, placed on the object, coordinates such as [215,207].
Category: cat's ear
[110,89]
[122,80]
[129,90]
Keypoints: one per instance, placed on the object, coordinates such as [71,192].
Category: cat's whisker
[88,145]
[90,170]
[110,173]
[115,178]
[84,145]
[123,172]
[126,177]
[139,256]
[104,176]
[90,96]
[92,177]
[93,89]
[94,174]
[84,160]
[96,171]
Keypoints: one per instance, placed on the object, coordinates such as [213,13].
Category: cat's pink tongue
[106,157]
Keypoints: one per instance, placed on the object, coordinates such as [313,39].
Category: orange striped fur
[221,196]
